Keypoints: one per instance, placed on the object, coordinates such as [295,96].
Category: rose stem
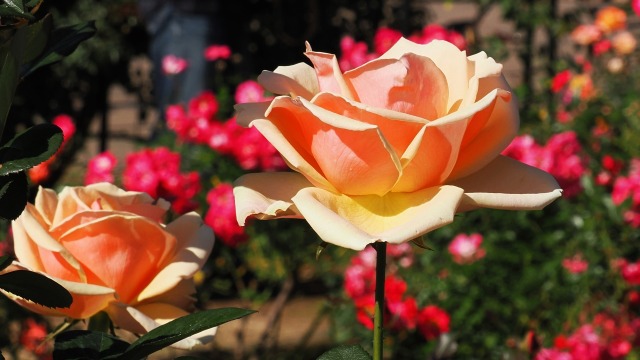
[381,260]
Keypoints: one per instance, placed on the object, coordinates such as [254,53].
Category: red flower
[215,52]
[433,322]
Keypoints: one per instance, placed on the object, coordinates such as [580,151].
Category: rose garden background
[555,284]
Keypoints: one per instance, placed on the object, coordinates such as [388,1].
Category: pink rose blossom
[221,216]
[100,168]
[173,65]
[249,91]
[465,249]
[575,264]
[384,39]
[215,52]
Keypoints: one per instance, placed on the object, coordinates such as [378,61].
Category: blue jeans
[185,35]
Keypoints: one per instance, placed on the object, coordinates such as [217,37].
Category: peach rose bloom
[624,43]
[390,150]
[109,249]
[611,18]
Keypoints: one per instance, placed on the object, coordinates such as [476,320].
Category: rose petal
[353,156]
[140,241]
[295,80]
[490,131]
[412,85]
[399,132]
[448,58]
[355,221]
[46,202]
[267,195]
[33,245]
[247,112]
[88,299]
[508,184]
[144,318]
[330,78]
[194,243]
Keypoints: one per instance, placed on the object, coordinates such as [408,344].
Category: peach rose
[109,249]
[390,150]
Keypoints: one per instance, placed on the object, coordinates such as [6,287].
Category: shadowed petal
[267,195]
[509,185]
[194,243]
[355,221]
[295,80]
[88,299]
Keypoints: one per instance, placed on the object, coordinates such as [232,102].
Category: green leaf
[13,195]
[420,242]
[36,145]
[14,8]
[63,42]
[181,328]
[5,261]
[84,344]
[29,41]
[8,81]
[346,352]
[323,245]
[37,288]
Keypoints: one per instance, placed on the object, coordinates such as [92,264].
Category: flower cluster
[401,310]
[355,53]
[157,173]
[198,124]
[221,216]
[561,156]
[607,337]
[628,187]
[215,52]
[607,32]
[41,172]
[465,249]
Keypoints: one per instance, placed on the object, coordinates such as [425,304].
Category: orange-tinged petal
[398,132]
[355,221]
[508,184]
[194,244]
[488,133]
[36,248]
[109,246]
[330,78]
[295,80]
[353,156]
[88,299]
[448,58]
[267,195]
[412,85]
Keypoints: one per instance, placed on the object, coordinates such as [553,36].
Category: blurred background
[147,103]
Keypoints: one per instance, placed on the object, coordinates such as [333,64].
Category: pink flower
[553,354]
[600,47]
[384,39]
[221,216]
[635,5]
[249,91]
[353,54]
[465,249]
[586,34]
[157,172]
[100,168]
[215,52]
[575,264]
[631,273]
[205,105]
[173,65]
[433,322]
[65,122]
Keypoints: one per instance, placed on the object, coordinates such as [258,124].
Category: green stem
[381,260]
